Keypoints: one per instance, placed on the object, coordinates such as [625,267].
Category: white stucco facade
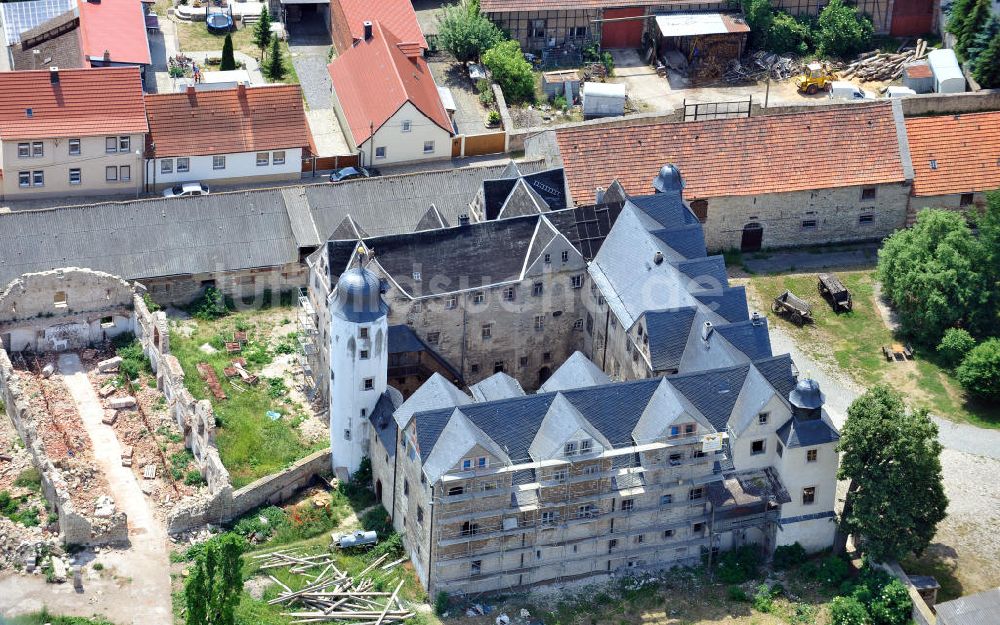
[234,167]
[402,139]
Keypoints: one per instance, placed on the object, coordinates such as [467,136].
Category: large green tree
[933,273]
[759,17]
[956,15]
[228,58]
[890,455]
[465,32]
[974,22]
[262,32]
[842,31]
[213,589]
[511,71]
[987,66]
[275,66]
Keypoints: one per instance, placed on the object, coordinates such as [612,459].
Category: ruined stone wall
[64,309]
[74,527]
[278,487]
[244,286]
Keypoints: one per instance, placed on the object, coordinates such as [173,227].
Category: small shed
[603,99]
[948,77]
[708,40]
[564,83]
[919,77]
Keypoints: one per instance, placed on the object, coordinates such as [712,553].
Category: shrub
[485,90]
[759,17]
[892,606]
[559,102]
[955,344]
[735,593]
[788,34]
[739,565]
[842,31]
[441,603]
[787,556]
[228,60]
[98,566]
[832,571]
[763,599]
[609,63]
[275,67]
[390,546]
[511,71]
[377,519]
[465,32]
[979,372]
[848,611]
[493,117]
[194,478]
[211,305]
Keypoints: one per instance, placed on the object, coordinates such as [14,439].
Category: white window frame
[569,449]
[79,147]
[381,152]
[37,149]
[219,162]
[79,176]
[125,173]
[124,143]
[407,125]
[576,282]
[429,147]
[263,159]
[110,145]
[38,178]
[24,179]
[183,165]
[24,150]
[167,166]
[278,157]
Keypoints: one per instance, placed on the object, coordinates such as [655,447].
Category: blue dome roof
[669,179]
[358,296]
[807,395]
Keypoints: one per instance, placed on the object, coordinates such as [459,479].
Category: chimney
[54,75]
[706,331]
[368,31]
[463,220]
[599,195]
[190,90]
[241,90]
[756,319]
[658,258]
[107,57]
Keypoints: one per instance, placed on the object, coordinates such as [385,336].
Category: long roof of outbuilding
[861,144]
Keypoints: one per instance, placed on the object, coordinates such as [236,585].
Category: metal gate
[911,17]
[626,33]
[698,111]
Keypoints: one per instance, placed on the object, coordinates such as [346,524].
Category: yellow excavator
[817,77]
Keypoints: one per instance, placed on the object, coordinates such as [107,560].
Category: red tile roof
[227,121]
[115,26]
[348,18]
[835,147]
[493,6]
[85,102]
[374,79]
[964,148]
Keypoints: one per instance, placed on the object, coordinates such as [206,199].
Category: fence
[324,163]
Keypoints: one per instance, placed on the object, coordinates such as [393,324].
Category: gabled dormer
[565,434]
[669,416]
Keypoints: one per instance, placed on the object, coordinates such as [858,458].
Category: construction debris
[109,365]
[883,66]
[332,594]
[122,403]
[207,373]
[757,66]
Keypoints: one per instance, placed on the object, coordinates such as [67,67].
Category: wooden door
[626,33]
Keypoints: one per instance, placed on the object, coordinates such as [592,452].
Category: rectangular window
[380,152]
[406,125]
[808,224]
[347,435]
[263,159]
[487,330]
[548,258]
[539,322]
[478,298]
[811,455]
[689,429]
[219,162]
[762,418]
[808,495]
[537,29]
[578,324]
[560,475]
[278,158]
[110,144]
[474,367]
[638,539]
[499,366]
[569,449]
[628,505]
[433,338]
[780,449]
[37,149]
[865,220]
[612,544]
[666,500]
[124,144]
[363,354]
[74,176]
[24,179]
[420,515]
[868,194]
[565,256]
[695,494]
[579,32]
[592,470]
[183,165]
[369,384]
[548,518]
[125,173]
[482,462]
[576,282]
[586,446]
[698,528]
[536,289]
[167,166]
[38,178]
[450,303]
[674,459]
[24,150]
[668,533]
[965,199]
[428,147]
[476,567]
[467,464]
[757,447]
[546,356]
[362,333]
[522,361]
[508,294]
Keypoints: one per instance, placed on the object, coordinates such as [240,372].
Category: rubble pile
[18,543]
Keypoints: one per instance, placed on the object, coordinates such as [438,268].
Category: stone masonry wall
[74,527]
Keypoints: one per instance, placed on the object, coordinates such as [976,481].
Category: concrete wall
[239,167]
[56,162]
[951,103]
[62,309]
[74,527]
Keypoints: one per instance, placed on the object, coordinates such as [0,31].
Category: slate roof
[227,121]
[381,419]
[374,78]
[348,18]
[668,332]
[83,103]
[613,409]
[806,433]
[955,153]
[982,608]
[828,148]
[577,372]
[497,386]
[402,339]
[750,338]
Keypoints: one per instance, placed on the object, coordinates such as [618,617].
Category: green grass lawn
[43,618]
[194,37]
[853,342]
[251,445]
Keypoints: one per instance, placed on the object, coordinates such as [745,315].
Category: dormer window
[570,449]
[467,464]
[481,462]
[586,446]
[763,418]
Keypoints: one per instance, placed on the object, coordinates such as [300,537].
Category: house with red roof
[243,134]
[833,174]
[387,102]
[956,160]
[71,132]
[113,33]
[347,18]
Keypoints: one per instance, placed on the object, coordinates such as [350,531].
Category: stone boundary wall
[196,420]
[74,527]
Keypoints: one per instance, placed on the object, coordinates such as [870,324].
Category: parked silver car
[186,189]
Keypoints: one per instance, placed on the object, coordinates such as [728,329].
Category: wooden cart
[834,290]
[796,309]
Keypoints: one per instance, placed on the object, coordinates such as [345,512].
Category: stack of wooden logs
[883,66]
[334,595]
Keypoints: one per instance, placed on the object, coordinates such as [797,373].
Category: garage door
[624,34]
[911,17]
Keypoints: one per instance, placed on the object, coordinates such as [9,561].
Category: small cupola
[807,400]
[669,180]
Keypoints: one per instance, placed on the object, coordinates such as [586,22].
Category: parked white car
[843,90]
[186,189]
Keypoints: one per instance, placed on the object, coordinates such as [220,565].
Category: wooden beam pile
[334,595]
[883,66]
